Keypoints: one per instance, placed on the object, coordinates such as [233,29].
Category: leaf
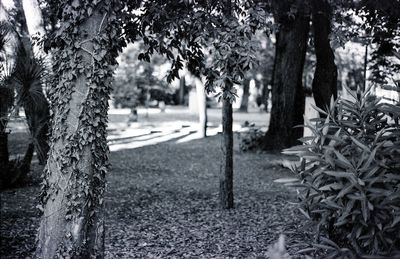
[345,191]
[304,213]
[370,159]
[340,174]
[331,186]
[286,180]
[343,159]
[359,144]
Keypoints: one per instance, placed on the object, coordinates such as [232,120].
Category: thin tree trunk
[201,106]
[226,172]
[23,27]
[288,100]
[324,84]
[37,111]
[245,97]
[4,159]
[72,225]
[6,101]
[365,67]
[38,119]
[182,86]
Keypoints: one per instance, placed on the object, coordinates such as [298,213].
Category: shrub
[251,139]
[349,181]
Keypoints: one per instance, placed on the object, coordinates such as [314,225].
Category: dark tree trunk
[288,99]
[226,172]
[182,87]
[37,111]
[324,84]
[4,159]
[22,27]
[38,119]
[6,102]
[245,97]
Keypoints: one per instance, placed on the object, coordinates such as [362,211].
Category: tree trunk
[245,97]
[182,87]
[36,111]
[22,27]
[324,84]
[6,102]
[72,224]
[226,172]
[38,119]
[201,106]
[4,159]
[288,99]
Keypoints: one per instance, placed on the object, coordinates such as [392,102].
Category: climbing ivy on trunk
[84,46]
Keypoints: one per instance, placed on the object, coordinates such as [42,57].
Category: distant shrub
[251,139]
[350,176]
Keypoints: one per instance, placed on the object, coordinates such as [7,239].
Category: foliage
[383,28]
[180,30]
[373,23]
[252,139]
[4,30]
[350,177]
[134,79]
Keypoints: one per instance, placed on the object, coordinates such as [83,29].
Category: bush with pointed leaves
[350,176]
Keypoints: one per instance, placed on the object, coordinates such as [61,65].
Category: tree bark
[202,106]
[6,101]
[22,27]
[245,97]
[38,119]
[226,172]
[182,87]
[72,225]
[288,100]
[324,84]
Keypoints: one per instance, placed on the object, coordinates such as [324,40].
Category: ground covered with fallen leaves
[162,202]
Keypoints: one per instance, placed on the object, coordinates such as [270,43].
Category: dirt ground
[162,202]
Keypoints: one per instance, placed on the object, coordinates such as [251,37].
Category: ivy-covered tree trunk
[288,98]
[245,97]
[72,224]
[324,84]
[226,172]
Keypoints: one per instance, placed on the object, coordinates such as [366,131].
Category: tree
[287,91]
[324,85]
[85,49]
[180,30]
[245,97]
